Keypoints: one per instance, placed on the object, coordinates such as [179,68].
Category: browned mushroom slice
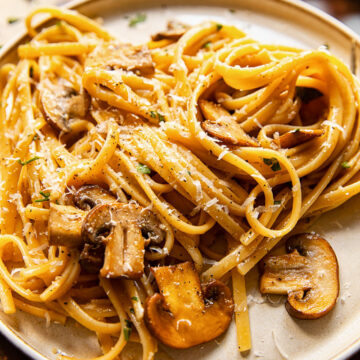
[88,196]
[115,55]
[184,314]
[117,227]
[308,275]
[220,124]
[61,103]
[151,227]
[297,137]
[65,224]
[175,30]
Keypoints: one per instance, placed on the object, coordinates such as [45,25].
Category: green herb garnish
[31,72]
[155,114]
[127,333]
[207,45]
[27,161]
[232,10]
[345,165]
[12,20]
[296,130]
[273,163]
[138,18]
[134,298]
[36,136]
[219,27]
[143,169]
[277,202]
[127,330]
[46,197]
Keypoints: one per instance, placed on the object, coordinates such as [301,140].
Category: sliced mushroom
[297,137]
[65,224]
[115,55]
[184,313]
[117,227]
[220,124]
[175,30]
[62,103]
[88,196]
[151,227]
[308,275]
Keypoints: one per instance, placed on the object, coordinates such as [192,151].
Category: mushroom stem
[65,224]
[116,226]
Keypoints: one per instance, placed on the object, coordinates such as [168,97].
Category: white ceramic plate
[275,334]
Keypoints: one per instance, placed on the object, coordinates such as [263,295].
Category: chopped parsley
[345,165]
[273,163]
[31,72]
[27,161]
[155,114]
[134,298]
[296,130]
[277,202]
[127,330]
[219,27]
[46,197]
[207,45]
[36,136]
[143,169]
[138,18]
[232,10]
[12,20]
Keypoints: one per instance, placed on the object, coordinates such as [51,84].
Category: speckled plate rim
[319,15]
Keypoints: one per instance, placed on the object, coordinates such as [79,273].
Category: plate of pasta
[179,181]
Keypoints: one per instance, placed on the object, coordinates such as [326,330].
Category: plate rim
[300,6]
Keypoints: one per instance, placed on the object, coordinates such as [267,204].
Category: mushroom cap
[61,103]
[88,196]
[220,124]
[115,55]
[175,30]
[308,274]
[297,137]
[321,298]
[184,313]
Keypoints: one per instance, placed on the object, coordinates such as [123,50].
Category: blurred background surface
[14,11]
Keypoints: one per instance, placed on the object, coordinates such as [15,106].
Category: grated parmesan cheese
[223,153]
[199,193]
[334,125]
[210,203]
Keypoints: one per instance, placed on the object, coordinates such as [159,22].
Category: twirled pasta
[198,184]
